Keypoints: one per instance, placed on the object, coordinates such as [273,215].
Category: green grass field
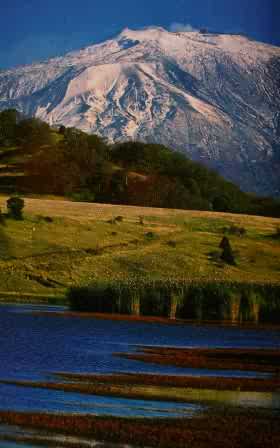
[80,244]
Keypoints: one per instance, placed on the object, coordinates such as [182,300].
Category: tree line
[70,162]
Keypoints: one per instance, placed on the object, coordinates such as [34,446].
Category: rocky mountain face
[215,97]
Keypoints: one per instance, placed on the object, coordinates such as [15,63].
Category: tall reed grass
[181,299]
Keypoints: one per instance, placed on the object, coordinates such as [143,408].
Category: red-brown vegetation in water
[260,360]
[215,431]
[269,384]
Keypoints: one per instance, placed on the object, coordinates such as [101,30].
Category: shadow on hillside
[5,249]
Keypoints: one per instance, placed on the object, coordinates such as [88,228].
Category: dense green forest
[67,161]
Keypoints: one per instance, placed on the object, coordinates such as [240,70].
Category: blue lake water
[34,346]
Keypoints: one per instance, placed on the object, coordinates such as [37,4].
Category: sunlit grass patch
[76,244]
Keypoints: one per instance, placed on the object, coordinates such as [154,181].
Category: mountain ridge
[214,97]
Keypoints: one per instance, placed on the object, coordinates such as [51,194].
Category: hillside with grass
[61,244]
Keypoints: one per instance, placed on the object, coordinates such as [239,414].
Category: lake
[34,346]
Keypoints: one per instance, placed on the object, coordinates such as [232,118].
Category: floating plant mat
[16,437]
[259,360]
[141,400]
[256,429]
[266,384]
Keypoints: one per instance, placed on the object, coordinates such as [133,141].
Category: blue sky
[31,30]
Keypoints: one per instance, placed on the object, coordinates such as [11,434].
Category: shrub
[171,243]
[48,219]
[134,241]
[42,218]
[242,231]
[84,195]
[151,235]
[97,250]
[62,130]
[227,254]
[15,206]
[235,230]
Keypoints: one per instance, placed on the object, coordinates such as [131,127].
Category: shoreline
[16,298]
[28,298]
[160,320]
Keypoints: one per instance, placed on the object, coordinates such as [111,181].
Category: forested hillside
[35,158]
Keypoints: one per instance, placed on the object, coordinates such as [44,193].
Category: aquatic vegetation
[267,384]
[259,360]
[183,299]
[257,429]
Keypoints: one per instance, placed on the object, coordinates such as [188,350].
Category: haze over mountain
[215,97]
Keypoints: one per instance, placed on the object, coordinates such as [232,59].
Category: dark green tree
[33,134]
[221,204]
[62,130]
[224,243]
[8,123]
[227,254]
[15,206]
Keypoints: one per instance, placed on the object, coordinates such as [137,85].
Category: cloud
[181,27]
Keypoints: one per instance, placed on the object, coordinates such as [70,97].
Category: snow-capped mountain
[215,97]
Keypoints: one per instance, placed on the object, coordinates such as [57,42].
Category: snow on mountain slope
[215,97]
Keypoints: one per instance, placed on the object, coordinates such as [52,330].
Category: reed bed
[181,299]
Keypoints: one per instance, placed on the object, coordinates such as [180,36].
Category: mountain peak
[213,96]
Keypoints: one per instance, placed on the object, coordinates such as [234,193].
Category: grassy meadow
[60,244]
